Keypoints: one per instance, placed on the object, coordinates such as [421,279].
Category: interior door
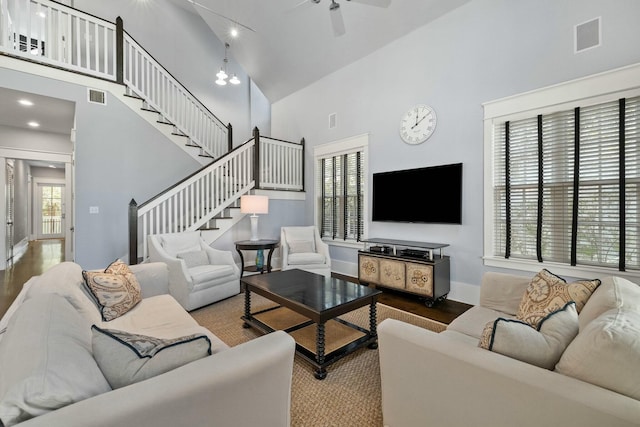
[10,191]
[50,218]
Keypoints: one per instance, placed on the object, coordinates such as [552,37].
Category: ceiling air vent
[587,35]
[97,96]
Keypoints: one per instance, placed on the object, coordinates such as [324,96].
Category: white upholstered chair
[302,248]
[198,273]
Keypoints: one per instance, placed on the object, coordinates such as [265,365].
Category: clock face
[417,124]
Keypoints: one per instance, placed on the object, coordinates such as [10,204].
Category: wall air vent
[97,96]
[332,120]
[587,35]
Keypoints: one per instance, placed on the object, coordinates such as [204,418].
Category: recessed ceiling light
[52,166]
[233,32]
[34,124]
[25,102]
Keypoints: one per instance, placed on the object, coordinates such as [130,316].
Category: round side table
[256,245]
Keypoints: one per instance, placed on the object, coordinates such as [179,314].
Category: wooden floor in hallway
[39,257]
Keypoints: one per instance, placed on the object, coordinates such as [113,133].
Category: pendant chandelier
[222,74]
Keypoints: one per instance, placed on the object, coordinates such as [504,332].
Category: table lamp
[254,205]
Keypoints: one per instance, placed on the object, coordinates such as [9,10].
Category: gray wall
[484,50]
[183,43]
[25,139]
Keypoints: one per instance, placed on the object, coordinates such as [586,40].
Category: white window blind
[540,161]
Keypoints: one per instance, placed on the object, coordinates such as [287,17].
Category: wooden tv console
[411,267]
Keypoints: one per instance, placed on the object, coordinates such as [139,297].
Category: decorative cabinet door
[420,278]
[392,273]
[369,269]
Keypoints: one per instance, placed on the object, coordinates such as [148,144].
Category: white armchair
[302,248]
[198,273]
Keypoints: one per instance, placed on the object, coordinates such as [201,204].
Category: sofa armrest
[247,385]
[503,292]
[220,257]
[432,379]
[153,278]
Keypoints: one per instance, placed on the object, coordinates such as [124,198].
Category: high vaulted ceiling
[294,45]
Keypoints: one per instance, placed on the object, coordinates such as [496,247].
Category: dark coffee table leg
[373,331]
[321,372]
[247,307]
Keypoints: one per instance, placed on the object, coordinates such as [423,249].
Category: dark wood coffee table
[314,300]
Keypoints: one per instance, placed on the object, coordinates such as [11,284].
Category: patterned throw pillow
[126,358]
[116,290]
[548,293]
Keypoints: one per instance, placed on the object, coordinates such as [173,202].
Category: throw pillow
[547,293]
[541,347]
[194,258]
[116,290]
[46,360]
[300,246]
[125,358]
[606,352]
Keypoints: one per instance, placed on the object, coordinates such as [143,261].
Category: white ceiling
[294,45]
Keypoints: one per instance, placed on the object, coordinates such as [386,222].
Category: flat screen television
[423,195]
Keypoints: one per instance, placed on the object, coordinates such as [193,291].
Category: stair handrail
[195,200]
[149,80]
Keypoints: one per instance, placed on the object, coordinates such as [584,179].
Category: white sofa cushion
[540,347]
[125,358]
[614,292]
[300,246]
[472,322]
[301,238]
[607,353]
[34,381]
[65,279]
[162,316]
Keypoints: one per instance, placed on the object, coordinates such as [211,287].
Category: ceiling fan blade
[193,2]
[377,3]
[337,23]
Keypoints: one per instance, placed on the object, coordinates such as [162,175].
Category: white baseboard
[461,292]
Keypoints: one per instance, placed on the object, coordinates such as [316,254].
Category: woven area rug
[351,393]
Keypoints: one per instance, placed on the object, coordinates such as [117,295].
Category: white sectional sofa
[49,376]
[445,379]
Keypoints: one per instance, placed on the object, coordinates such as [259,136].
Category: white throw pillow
[194,258]
[301,247]
[541,347]
[46,360]
[607,353]
[614,292]
[127,358]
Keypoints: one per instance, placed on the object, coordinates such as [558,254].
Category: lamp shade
[254,204]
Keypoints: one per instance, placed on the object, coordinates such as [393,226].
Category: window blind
[566,186]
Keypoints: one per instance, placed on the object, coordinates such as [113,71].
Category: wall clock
[417,124]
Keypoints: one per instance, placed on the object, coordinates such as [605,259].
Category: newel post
[119,51]
[256,157]
[133,232]
[302,161]
[229,137]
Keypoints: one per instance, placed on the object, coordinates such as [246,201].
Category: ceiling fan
[337,22]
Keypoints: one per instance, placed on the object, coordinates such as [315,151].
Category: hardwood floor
[445,311]
[40,256]
[43,254]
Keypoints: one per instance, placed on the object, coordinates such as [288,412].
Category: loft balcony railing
[57,35]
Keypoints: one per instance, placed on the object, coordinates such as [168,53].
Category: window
[341,197]
[564,181]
